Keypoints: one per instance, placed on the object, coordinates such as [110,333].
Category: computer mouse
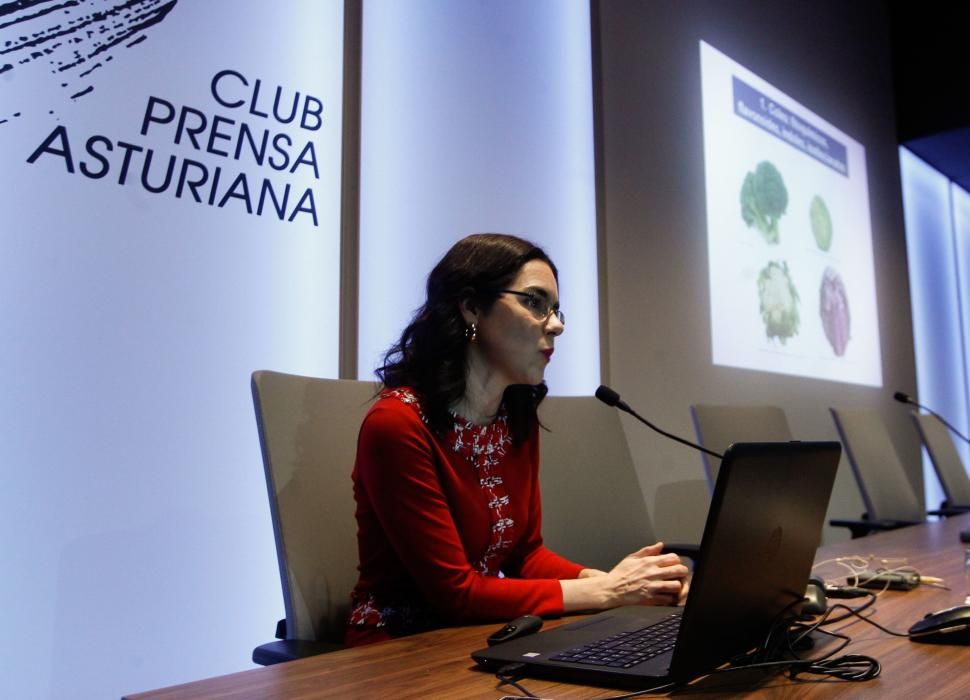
[519,627]
[949,626]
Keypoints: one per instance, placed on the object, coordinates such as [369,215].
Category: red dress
[449,529]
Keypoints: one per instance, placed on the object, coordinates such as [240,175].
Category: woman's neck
[483,395]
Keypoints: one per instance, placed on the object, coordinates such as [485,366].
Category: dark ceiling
[930,62]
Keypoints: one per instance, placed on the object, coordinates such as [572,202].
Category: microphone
[611,398]
[906,398]
[903,398]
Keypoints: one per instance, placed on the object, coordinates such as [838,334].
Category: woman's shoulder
[395,421]
[399,405]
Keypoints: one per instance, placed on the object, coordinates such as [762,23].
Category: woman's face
[512,341]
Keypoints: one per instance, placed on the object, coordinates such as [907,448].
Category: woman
[446,477]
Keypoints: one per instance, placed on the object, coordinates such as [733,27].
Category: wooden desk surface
[437,664]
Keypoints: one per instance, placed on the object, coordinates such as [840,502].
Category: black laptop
[760,539]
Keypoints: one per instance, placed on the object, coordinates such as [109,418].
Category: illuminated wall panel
[932,208]
[169,226]
[476,117]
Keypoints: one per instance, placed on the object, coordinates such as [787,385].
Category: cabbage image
[821,222]
[834,309]
[779,301]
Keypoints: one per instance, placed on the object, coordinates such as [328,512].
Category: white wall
[938,244]
[477,117]
[135,539]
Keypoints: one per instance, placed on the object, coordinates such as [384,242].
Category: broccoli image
[764,199]
[779,301]
[821,223]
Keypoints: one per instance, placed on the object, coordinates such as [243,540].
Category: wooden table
[437,664]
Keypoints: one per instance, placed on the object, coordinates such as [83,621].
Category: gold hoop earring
[471,333]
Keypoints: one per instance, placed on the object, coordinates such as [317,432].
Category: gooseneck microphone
[906,398]
[611,398]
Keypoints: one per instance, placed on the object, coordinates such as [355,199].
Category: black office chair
[593,509]
[308,433]
[720,426]
[947,464]
[888,495]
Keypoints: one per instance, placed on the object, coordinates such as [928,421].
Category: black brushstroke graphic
[74,37]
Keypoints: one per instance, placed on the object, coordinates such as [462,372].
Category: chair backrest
[308,432]
[593,509]
[680,508]
[949,467]
[718,427]
[886,491]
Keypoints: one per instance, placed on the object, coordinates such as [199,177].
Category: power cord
[639,693]
[880,572]
[508,675]
[783,638]
[851,612]
[847,592]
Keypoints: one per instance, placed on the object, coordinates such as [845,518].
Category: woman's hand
[648,577]
[684,590]
[645,577]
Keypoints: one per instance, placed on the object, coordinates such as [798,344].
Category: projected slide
[788,230]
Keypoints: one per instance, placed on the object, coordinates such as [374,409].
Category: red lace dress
[449,529]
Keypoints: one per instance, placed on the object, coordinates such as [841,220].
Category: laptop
[762,532]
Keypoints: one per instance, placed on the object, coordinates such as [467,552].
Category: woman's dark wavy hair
[431,355]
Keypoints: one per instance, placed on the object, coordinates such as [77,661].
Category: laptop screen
[763,529]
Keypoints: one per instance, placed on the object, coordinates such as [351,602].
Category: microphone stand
[611,398]
[905,398]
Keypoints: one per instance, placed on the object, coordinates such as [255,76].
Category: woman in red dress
[446,477]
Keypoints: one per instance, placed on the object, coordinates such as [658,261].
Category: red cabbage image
[834,309]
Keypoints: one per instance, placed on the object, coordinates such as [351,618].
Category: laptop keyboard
[626,649]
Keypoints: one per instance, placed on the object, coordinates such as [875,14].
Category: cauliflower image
[833,306]
[764,199]
[821,223]
[779,301]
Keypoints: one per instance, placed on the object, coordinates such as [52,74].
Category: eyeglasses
[537,305]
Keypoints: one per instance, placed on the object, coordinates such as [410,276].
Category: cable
[663,688]
[850,667]
[857,566]
[826,619]
[851,612]
[782,638]
[506,676]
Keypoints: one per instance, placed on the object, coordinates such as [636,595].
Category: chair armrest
[862,527]
[290,650]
